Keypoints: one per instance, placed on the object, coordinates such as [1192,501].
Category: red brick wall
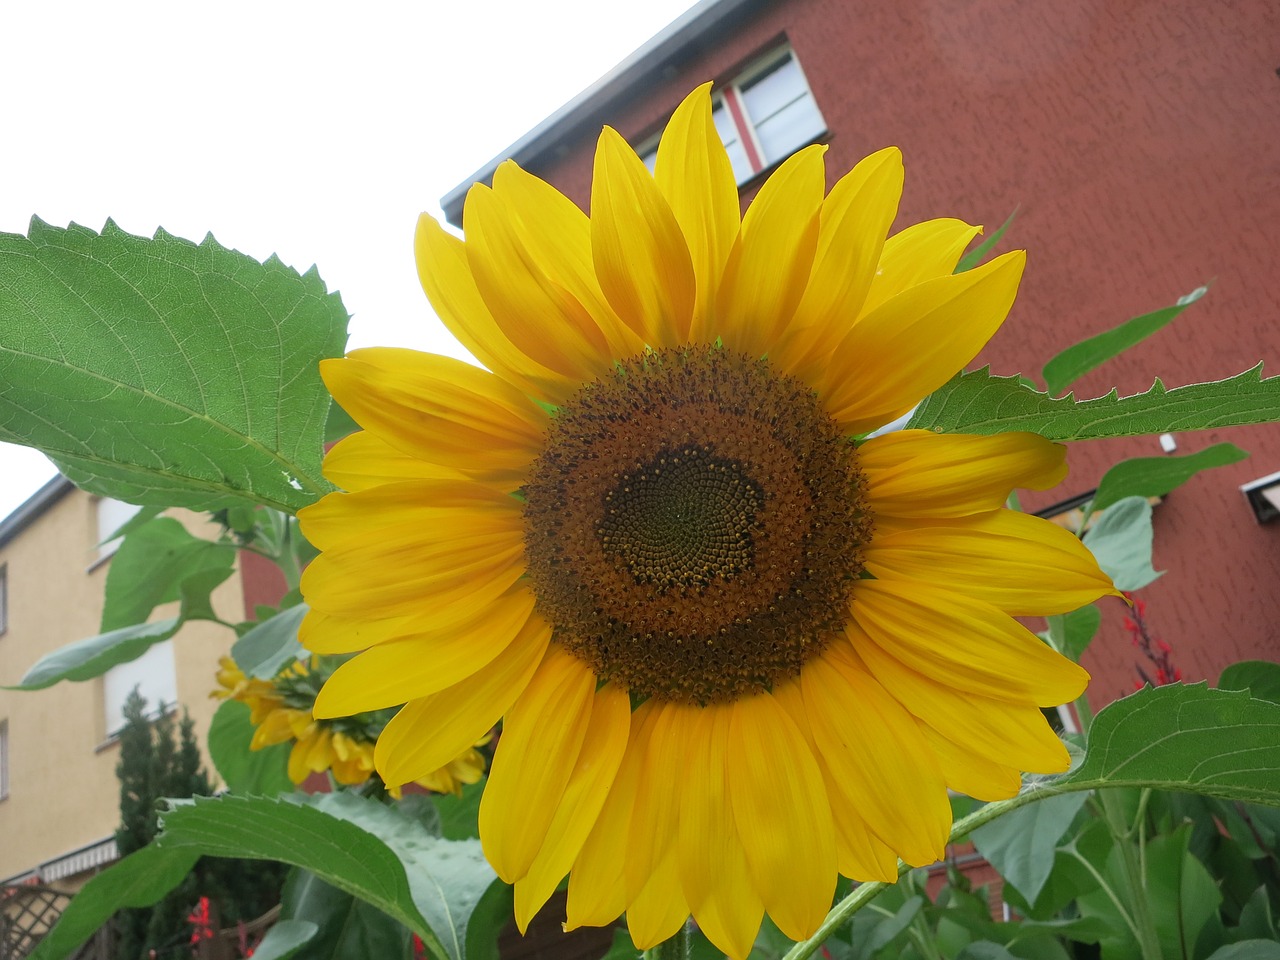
[1141,142]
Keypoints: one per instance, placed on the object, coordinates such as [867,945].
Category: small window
[152,673]
[112,515]
[4,598]
[4,759]
[763,115]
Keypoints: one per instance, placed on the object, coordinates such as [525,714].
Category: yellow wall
[63,792]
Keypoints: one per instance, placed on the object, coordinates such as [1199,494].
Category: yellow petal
[446,277]
[542,735]
[782,814]
[965,643]
[1020,564]
[558,236]
[640,254]
[324,633]
[597,894]
[654,818]
[659,911]
[874,748]
[1013,735]
[860,854]
[405,569]
[584,796]
[363,460]
[405,509]
[426,734]
[713,866]
[694,174]
[969,773]
[854,220]
[398,671]
[915,473]
[911,345]
[923,251]
[769,266]
[535,312]
[440,410]
[297,768]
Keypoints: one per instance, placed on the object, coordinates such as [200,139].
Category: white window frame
[731,97]
[154,674]
[4,599]
[109,516]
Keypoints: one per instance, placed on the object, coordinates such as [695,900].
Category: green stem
[677,948]
[864,893]
[1144,927]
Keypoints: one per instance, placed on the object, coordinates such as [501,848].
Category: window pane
[650,159]
[153,675]
[112,515]
[785,132]
[773,90]
[742,169]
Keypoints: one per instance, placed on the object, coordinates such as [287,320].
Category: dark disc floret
[694,525]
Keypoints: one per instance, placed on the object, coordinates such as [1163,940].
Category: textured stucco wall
[63,791]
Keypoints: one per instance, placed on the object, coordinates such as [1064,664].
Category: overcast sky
[309,130]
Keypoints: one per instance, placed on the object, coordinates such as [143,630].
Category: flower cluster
[1153,648]
[281,711]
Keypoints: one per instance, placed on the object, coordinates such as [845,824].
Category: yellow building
[59,798]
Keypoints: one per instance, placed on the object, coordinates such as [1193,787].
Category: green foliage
[1120,540]
[1219,743]
[1156,476]
[94,656]
[160,371]
[1021,844]
[1077,360]
[346,926]
[979,403]
[271,645]
[1260,677]
[262,773]
[371,851]
[1071,633]
[287,938]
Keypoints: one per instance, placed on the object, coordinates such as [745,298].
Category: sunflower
[280,709]
[739,646]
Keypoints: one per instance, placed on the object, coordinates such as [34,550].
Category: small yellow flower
[738,646]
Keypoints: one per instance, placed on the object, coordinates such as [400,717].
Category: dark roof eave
[33,507]
[620,82]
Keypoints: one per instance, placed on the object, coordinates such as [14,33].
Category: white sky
[309,130]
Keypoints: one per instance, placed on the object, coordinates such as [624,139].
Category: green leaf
[94,656]
[1071,633]
[356,844]
[1248,950]
[974,256]
[979,403]
[159,371]
[285,939]
[262,772]
[151,567]
[1156,476]
[139,880]
[1077,360]
[339,424]
[1260,677]
[985,950]
[347,927]
[460,815]
[1021,844]
[270,646]
[1220,743]
[1120,540]
[1180,891]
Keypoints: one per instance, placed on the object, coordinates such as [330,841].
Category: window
[112,515]
[4,598]
[4,759]
[763,115]
[154,676]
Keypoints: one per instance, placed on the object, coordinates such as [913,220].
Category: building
[1137,143]
[59,797]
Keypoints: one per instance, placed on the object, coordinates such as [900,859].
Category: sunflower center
[682,520]
[694,525]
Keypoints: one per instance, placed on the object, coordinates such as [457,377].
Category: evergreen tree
[153,764]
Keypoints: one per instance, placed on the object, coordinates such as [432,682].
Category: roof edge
[698,20]
[34,507]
